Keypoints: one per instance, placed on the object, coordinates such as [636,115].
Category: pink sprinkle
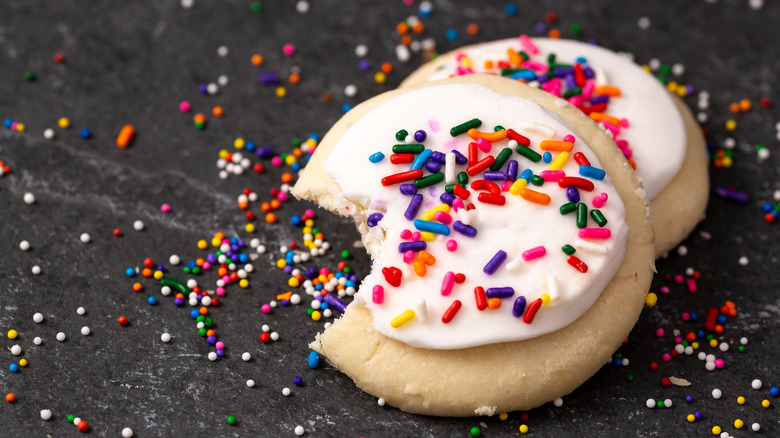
[664,290]
[266,308]
[686,316]
[443,217]
[406,234]
[576,101]
[221,291]
[691,285]
[505,186]
[206,265]
[220,345]
[226,279]
[165,208]
[409,256]
[276,161]
[719,363]
[534,253]
[446,284]
[600,200]
[568,137]
[659,332]
[185,106]
[678,340]
[434,125]
[308,214]
[587,90]
[536,66]
[452,245]
[282,196]
[416,236]
[528,45]
[14,125]
[678,279]
[483,145]
[457,204]
[666,357]
[378,294]
[624,123]
[552,175]
[408,2]
[594,233]
[324,271]
[614,129]
[288,49]
[460,56]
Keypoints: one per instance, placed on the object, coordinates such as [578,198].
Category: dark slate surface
[133,62]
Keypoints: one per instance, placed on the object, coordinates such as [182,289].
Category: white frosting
[515,227]
[656,133]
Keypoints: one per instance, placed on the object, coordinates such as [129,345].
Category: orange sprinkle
[514,57]
[418,27]
[718,328]
[406,40]
[243,205]
[204,311]
[489,136]
[270,218]
[554,33]
[402,28]
[146,273]
[275,204]
[266,207]
[494,303]
[601,117]
[199,118]
[426,258]
[138,287]
[745,104]
[287,178]
[472,29]
[284,296]
[218,111]
[535,197]
[419,268]
[125,136]
[10,397]
[489,65]
[219,235]
[556,146]
[387,68]
[210,332]
[257,60]
[732,312]
[297,152]
[294,78]
[730,304]
[319,236]
[199,263]
[734,107]
[632,163]
[607,90]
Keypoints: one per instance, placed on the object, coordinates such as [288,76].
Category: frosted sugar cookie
[511,244]
[654,129]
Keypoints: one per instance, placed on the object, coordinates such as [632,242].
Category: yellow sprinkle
[731,125]
[765,403]
[309,223]
[293,282]
[215,242]
[523,428]
[64,123]
[545,299]
[517,186]
[23,362]
[681,91]
[402,319]
[290,160]
[503,416]
[647,68]
[691,418]
[158,275]
[713,343]
[20,127]
[716,430]
[738,423]
[671,86]
[695,345]
[727,162]
[12,334]
[651,299]
[281,263]
[741,400]
[380,78]
[239,143]
[244,283]
[428,215]
[223,153]
[559,161]
[281,92]
[427,236]
[202,244]
[250,228]
[316,315]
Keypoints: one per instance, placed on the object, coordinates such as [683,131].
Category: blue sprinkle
[510,9]
[774,391]
[13,368]
[547,157]
[346,107]
[152,301]
[86,134]
[314,360]
[376,157]
[194,313]
[130,272]
[592,172]
[452,34]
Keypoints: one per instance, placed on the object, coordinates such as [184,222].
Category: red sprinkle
[401,158]
[575,181]
[491,198]
[532,309]
[483,184]
[398,178]
[451,311]
[577,264]
[520,139]
[392,275]
[712,317]
[473,153]
[666,382]
[459,191]
[479,166]
[481,298]
[265,337]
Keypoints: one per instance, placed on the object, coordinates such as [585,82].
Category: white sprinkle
[24,245]
[402,53]
[682,250]
[250,383]
[266,328]
[246,356]
[650,403]
[755,427]
[350,90]
[16,350]
[763,154]
[717,393]
[81,311]
[174,259]
[38,318]
[361,51]
[48,134]
[127,432]
[723,346]
[165,337]
[729,143]
[84,238]
[654,64]
[76,421]
[36,270]
[223,51]
[421,309]
[302,7]
[223,80]
[743,340]
[187,4]
[212,88]
[743,261]
[380,402]
[668,403]
[756,4]
[558,402]
[678,69]
[45,414]
[60,336]
[756,384]
[138,225]
[286,392]
[29,198]
[37,340]
[261,249]
[274,336]
[212,356]
[299,430]
[295,299]
[85,331]
[643,23]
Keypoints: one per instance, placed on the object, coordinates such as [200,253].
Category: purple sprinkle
[374,219]
[499,292]
[414,206]
[203,88]
[311,272]
[495,262]
[285,302]
[540,27]
[408,189]
[439,157]
[265,152]
[519,307]
[697,414]
[572,194]
[161,268]
[286,270]
[460,158]
[466,230]
[491,175]
[268,78]
[599,99]
[447,198]
[542,79]
[220,353]
[420,136]
[335,302]
[412,246]
[211,258]
[570,81]
[563,71]
[432,166]
[589,73]
[318,297]
[211,340]
[364,65]
[511,170]
[688,398]
[732,194]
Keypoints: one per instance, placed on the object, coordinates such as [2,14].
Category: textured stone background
[133,62]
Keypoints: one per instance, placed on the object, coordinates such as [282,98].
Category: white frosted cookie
[506,293]
[659,135]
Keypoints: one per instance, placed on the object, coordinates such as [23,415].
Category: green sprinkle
[582,215]
[231,420]
[30,76]
[202,332]
[196,270]
[449,188]
[347,269]
[551,59]
[408,149]
[709,337]
[568,249]
[598,217]
[528,153]
[200,318]
[665,70]
[567,208]
[464,127]
[296,142]
[463,179]
[618,355]
[497,128]
[401,135]
[631,338]
[175,284]
[630,377]
[741,348]
[208,322]
[71,418]
[345,254]
[475,431]
[501,159]
[200,126]
[523,55]
[537,180]
[575,29]
[309,311]
[429,180]
[186,270]
[576,91]
[256,6]
[315,230]
[659,403]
